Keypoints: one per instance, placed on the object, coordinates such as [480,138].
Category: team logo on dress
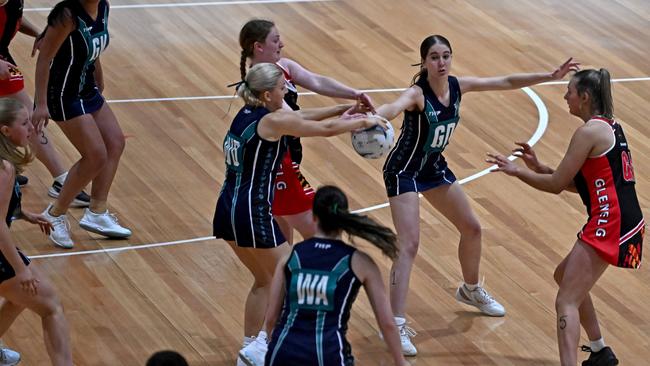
[313,289]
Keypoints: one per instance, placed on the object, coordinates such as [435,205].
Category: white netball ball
[374,142]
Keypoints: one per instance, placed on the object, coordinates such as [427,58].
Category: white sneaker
[60,234]
[481,299]
[405,334]
[254,353]
[103,224]
[9,357]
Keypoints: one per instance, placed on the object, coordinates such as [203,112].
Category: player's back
[320,289]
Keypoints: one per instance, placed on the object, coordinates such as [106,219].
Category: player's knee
[472,229]
[115,146]
[408,248]
[96,156]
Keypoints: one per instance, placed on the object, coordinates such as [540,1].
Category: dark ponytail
[255,30]
[331,209]
[424,49]
[598,84]
[63,11]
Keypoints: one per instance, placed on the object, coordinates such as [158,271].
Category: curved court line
[384,90]
[541,127]
[188,5]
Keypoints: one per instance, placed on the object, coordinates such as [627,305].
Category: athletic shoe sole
[96,230]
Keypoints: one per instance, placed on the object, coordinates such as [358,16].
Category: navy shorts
[248,227]
[402,182]
[6,270]
[63,108]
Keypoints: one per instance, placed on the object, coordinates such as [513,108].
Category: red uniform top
[615,226]
[11,14]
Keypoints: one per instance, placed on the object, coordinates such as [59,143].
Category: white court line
[188,5]
[386,90]
[120,249]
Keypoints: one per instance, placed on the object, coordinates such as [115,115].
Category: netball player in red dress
[598,166]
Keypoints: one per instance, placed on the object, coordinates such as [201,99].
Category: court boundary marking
[542,124]
[191,5]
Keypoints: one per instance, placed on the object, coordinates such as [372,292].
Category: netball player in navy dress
[21,285]
[416,165]
[315,287]
[12,85]
[69,82]
[598,166]
[260,42]
[253,148]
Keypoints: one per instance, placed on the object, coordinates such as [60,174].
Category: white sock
[597,345]
[399,321]
[471,287]
[262,336]
[61,178]
[247,341]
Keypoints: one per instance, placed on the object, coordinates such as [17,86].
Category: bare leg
[285,227]
[113,140]
[84,134]
[261,263]
[588,318]
[47,305]
[303,222]
[583,268]
[405,210]
[8,313]
[452,202]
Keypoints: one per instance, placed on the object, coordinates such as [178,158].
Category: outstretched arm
[322,113]
[323,85]
[579,149]
[279,123]
[26,27]
[528,155]
[408,100]
[515,81]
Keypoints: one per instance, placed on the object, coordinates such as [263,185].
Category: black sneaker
[22,180]
[82,199]
[604,357]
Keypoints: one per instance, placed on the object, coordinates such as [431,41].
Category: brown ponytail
[331,209]
[598,85]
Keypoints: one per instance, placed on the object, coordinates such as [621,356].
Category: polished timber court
[166,72]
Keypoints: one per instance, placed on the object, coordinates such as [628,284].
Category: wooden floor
[123,306]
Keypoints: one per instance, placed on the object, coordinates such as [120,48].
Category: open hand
[366,101]
[564,69]
[527,154]
[28,282]
[38,219]
[502,163]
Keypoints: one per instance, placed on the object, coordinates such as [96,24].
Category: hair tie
[335,208]
[237,84]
